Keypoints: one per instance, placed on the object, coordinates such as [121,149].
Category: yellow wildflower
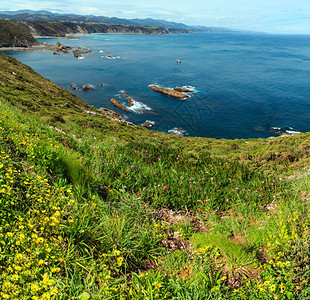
[55,270]
[35,287]
[46,296]
[157,285]
[7,284]
[120,261]
[15,277]
[54,291]
[116,252]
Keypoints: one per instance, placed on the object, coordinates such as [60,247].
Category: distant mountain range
[43,15]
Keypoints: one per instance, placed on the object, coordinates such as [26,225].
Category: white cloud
[89,10]
[264,15]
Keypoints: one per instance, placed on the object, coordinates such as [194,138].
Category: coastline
[141,93]
[41,46]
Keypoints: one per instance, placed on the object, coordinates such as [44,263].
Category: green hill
[97,209]
[15,34]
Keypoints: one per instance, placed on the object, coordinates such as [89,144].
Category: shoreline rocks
[119,105]
[112,115]
[170,92]
[148,124]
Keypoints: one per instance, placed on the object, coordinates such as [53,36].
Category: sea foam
[139,107]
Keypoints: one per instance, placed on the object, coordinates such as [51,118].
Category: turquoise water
[246,85]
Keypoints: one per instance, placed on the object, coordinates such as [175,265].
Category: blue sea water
[246,85]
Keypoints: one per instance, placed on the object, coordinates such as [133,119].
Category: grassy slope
[91,207]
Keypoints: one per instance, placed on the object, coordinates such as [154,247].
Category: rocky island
[170,92]
[119,105]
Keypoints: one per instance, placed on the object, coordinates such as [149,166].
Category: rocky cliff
[43,28]
[15,34]
[22,33]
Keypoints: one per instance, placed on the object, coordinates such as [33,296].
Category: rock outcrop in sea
[88,87]
[63,48]
[78,52]
[119,105]
[183,90]
[170,92]
[130,101]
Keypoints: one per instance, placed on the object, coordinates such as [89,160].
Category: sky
[271,16]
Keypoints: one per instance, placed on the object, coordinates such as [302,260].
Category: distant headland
[20,28]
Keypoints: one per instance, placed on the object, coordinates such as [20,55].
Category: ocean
[245,85]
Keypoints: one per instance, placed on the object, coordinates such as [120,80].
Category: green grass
[95,209]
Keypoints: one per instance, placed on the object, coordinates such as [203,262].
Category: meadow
[97,209]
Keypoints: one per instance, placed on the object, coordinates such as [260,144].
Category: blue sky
[273,16]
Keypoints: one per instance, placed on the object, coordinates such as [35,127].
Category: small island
[170,92]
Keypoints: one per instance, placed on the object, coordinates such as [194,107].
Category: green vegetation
[96,209]
[15,34]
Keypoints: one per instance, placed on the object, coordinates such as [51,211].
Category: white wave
[281,130]
[275,128]
[291,130]
[139,107]
[151,122]
[191,88]
[113,57]
[81,57]
[177,131]
[100,51]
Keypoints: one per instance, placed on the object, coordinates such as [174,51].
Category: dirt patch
[237,276]
[174,217]
[185,272]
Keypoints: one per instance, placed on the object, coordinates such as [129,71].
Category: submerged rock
[119,105]
[169,92]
